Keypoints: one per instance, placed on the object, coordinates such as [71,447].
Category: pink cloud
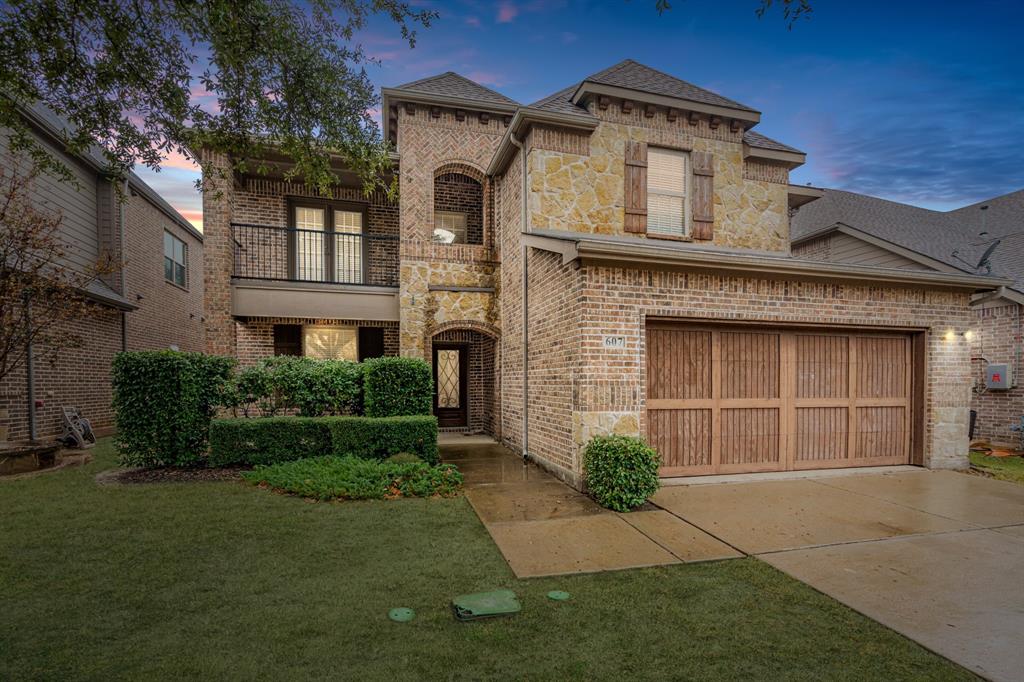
[178,160]
[194,217]
[473,21]
[486,78]
[507,12]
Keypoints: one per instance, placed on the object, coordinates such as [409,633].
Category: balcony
[267,253]
[286,272]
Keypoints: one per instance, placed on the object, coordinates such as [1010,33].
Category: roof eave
[525,117]
[646,255]
[800,195]
[389,95]
[590,88]
[789,159]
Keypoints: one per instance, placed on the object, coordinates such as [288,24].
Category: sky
[918,102]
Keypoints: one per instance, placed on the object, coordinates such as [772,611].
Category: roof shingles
[636,76]
[451,84]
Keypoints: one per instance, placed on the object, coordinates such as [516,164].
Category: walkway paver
[543,527]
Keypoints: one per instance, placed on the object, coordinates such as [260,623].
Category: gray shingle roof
[762,142]
[561,102]
[935,234]
[636,76]
[451,84]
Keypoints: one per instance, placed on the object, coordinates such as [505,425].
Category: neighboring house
[154,300]
[613,258]
[854,228]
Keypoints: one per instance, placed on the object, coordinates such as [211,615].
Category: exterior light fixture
[950,336]
[968,335]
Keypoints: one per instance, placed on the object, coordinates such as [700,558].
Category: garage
[727,398]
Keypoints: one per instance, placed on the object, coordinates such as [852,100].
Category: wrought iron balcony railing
[286,254]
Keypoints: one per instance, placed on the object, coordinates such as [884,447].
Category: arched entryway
[467,384]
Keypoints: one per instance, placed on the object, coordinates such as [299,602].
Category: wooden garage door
[730,399]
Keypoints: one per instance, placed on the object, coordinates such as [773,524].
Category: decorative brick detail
[559,140]
[765,171]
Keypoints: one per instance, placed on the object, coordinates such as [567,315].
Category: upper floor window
[449,227]
[458,209]
[175,260]
[328,243]
[667,191]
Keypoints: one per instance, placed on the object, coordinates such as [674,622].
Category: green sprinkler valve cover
[401,614]
[558,595]
[486,605]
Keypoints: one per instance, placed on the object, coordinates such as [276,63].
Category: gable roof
[633,75]
[561,102]
[451,84]
[934,234]
[760,141]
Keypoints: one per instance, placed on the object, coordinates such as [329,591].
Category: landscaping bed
[1003,468]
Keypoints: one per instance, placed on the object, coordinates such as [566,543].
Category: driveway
[934,555]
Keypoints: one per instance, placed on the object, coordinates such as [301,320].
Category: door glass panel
[348,246]
[448,378]
[309,246]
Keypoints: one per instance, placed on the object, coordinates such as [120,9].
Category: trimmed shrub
[622,471]
[381,437]
[163,403]
[353,478]
[267,440]
[270,440]
[396,387]
[315,387]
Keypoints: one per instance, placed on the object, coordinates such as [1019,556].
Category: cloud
[473,21]
[569,37]
[487,78]
[507,12]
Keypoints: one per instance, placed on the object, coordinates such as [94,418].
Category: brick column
[218,255]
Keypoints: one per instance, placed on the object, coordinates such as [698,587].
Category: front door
[450,382]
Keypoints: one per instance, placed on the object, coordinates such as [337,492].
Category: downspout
[30,369]
[122,217]
[526,304]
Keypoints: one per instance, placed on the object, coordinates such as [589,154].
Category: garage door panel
[750,436]
[730,399]
[881,432]
[683,436]
[822,434]
[822,366]
[750,365]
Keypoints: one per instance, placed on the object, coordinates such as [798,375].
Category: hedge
[396,387]
[163,403]
[313,387]
[622,471]
[280,439]
[267,440]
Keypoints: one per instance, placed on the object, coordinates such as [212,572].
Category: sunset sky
[920,102]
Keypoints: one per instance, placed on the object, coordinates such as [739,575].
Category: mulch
[170,475]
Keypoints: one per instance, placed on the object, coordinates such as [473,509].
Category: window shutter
[703,201]
[636,187]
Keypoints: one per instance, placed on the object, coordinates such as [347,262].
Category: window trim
[184,266]
[686,193]
[355,333]
[465,226]
[329,206]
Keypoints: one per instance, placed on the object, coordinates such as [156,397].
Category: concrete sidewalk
[543,527]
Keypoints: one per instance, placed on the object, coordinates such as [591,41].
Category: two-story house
[613,258]
[152,299]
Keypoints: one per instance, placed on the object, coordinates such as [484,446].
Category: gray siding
[78,206]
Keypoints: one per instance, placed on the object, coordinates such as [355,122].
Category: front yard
[220,580]
[1002,468]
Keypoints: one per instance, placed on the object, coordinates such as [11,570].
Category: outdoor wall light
[950,336]
[968,335]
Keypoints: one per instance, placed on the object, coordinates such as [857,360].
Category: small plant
[396,387]
[353,478]
[403,458]
[622,471]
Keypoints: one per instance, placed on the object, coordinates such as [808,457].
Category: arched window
[458,209]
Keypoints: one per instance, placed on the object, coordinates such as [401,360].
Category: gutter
[526,116]
[526,300]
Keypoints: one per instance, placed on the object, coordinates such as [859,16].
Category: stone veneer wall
[998,331]
[583,191]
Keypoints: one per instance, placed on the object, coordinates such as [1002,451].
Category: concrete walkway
[544,527]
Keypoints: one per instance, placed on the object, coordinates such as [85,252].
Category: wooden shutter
[702,207]
[636,187]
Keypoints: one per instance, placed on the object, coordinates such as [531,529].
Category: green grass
[1003,468]
[225,581]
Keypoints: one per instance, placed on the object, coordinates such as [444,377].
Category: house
[153,300]
[613,258]
[854,228]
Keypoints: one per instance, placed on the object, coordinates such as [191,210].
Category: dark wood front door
[450,385]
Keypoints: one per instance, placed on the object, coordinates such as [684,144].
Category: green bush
[396,387]
[314,387]
[403,458]
[163,403]
[622,471]
[353,478]
[269,440]
[381,437]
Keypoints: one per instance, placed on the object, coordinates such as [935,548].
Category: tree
[792,10]
[126,74]
[39,289]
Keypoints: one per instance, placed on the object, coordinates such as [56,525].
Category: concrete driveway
[935,555]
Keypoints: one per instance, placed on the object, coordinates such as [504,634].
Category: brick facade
[255,336]
[998,338]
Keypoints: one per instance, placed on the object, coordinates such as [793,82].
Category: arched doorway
[466,382]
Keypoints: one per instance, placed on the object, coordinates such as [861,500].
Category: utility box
[997,378]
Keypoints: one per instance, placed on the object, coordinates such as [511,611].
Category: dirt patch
[169,475]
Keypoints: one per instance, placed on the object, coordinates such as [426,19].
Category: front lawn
[1003,468]
[220,580]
